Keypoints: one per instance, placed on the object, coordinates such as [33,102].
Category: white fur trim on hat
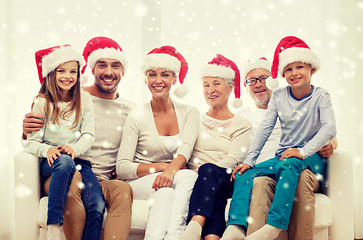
[107,53]
[214,70]
[59,56]
[297,54]
[255,64]
[161,60]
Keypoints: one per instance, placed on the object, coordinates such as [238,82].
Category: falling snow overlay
[239,30]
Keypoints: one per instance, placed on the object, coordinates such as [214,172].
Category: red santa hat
[103,47]
[292,49]
[252,64]
[166,57]
[49,59]
[225,68]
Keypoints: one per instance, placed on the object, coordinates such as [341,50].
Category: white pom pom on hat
[272,83]
[181,91]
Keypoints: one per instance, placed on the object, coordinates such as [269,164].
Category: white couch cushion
[323,211]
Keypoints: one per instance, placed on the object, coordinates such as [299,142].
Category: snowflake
[106,144]
[250,220]
[22,191]
[196,160]
[61,10]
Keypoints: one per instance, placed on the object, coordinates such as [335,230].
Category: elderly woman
[157,142]
[222,144]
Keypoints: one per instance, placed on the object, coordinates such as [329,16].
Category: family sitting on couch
[98,151]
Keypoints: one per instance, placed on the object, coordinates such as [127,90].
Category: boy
[307,124]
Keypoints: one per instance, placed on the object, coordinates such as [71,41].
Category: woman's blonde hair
[51,92]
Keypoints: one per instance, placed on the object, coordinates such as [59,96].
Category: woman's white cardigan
[141,143]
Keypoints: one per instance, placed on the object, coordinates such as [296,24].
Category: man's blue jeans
[62,173]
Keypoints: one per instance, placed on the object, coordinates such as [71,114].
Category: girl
[68,131]
[222,144]
[157,142]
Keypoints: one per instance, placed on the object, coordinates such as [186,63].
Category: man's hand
[52,154]
[327,150]
[241,168]
[32,122]
[67,150]
[291,152]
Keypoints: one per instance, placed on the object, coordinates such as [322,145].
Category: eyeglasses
[253,81]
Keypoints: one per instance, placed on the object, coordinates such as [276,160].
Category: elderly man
[107,62]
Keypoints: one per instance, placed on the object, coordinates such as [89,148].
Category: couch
[334,216]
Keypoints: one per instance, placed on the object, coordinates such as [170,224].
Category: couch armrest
[27,194]
[340,191]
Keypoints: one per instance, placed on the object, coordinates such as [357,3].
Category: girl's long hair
[51,92]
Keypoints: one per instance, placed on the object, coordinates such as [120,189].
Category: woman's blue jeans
[62,173]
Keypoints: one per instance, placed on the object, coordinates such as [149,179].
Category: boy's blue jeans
[286,174]
[62,173]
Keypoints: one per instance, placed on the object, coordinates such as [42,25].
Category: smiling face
[259,92]
[108,73]
[216,91]
[66,77]
[159,82]
[298,76]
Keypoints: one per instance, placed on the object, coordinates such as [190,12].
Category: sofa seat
[334,215]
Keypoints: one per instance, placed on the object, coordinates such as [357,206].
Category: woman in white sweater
[222,144]
[157,142]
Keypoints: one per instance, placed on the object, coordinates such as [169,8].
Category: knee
[208,171]
[64,161]
[164,193]
[263,184]
[118,190]
[207,168]
[290,164]
[307,183]
[185,177]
